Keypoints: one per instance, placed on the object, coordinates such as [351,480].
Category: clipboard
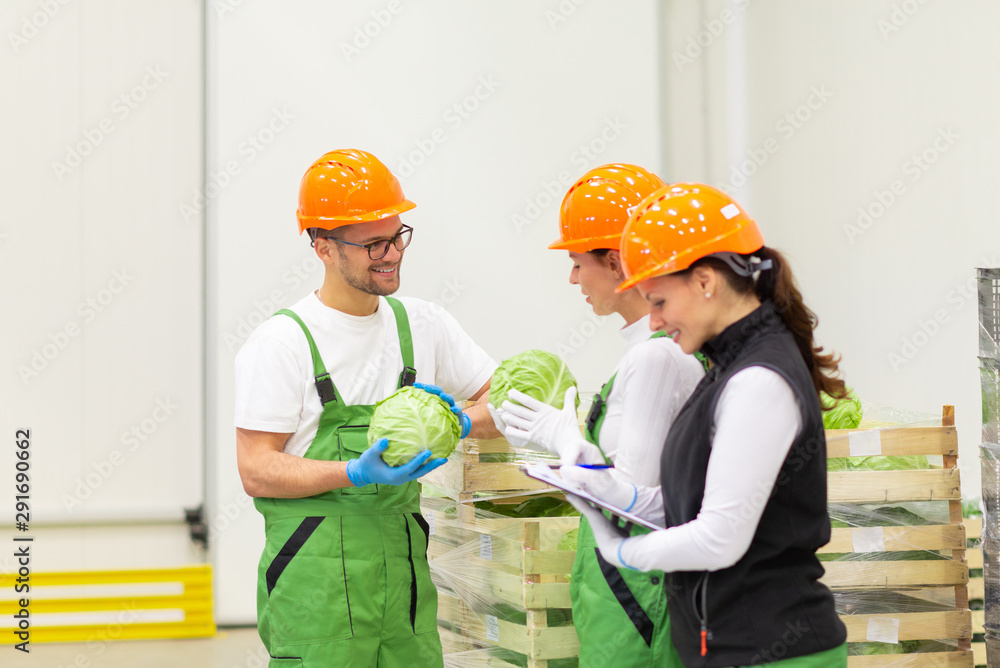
[549,477]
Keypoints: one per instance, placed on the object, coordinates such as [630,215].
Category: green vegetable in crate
[846,414]
[413,421]
[537,373]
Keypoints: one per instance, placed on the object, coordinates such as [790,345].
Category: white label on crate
[492,628]
[430,523]
[868,539]
[865,443]
[486,547]
[883,629]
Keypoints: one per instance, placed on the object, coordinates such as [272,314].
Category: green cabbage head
[846,414]
[537,373]
[413,420]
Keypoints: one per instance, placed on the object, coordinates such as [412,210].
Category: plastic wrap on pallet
[502,573]
[893,566]
[486,559]
[484,470]
[497,657]
[989,454]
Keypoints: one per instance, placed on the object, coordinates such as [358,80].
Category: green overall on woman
[620,615]
[343,581]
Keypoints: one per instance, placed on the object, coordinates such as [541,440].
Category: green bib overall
[343,581]
[620,615]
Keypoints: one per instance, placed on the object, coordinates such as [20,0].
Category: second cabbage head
[537,373]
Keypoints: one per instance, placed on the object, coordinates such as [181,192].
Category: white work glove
[555,430]
[498,421]
[609,541]
[604,485]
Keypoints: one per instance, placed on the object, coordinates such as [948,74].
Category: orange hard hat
[348,186]
[682,223]
[596,208]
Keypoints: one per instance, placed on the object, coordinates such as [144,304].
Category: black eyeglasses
[378,249]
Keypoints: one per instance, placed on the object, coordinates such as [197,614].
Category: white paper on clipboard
[550,477]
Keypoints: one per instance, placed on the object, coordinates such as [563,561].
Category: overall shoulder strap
[409,373]
[324,384]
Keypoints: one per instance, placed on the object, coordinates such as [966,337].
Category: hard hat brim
[608,241]
[306,222]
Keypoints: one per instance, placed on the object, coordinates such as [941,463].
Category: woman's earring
[708,295]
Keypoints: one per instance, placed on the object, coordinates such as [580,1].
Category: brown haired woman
[743,470]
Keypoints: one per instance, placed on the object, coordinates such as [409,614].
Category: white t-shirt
[275,381]
[654,379]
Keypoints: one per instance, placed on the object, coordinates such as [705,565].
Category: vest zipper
[702,614]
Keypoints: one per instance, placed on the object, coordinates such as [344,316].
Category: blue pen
[594,466]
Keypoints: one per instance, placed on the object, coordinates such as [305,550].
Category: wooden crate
[977,589]
[524,570]
[470,476]
[932,595]
[486,566]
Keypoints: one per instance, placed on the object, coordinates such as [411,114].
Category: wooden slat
[548,562]
[977,590]
[893,486]
[973,527]
[901,539]
[978,620]
[532,638]
[979,653]
[498,478]
[957,659]
[915,625]
[893,574]
[974,555]
[898,441]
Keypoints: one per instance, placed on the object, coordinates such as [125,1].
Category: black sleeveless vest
[769,605]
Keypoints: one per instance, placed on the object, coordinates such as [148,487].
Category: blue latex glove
[370,468]
[450,400]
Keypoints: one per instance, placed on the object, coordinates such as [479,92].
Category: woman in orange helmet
[743,469]
[620,615]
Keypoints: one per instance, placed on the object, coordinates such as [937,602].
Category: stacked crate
[503,582]
[977,590]
[902,586]
[899,586]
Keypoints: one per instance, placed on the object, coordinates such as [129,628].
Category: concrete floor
[230,648]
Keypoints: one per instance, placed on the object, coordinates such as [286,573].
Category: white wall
[887,81]
[535,86]
[102,282]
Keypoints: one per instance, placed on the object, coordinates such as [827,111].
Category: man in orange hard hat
[344,580]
